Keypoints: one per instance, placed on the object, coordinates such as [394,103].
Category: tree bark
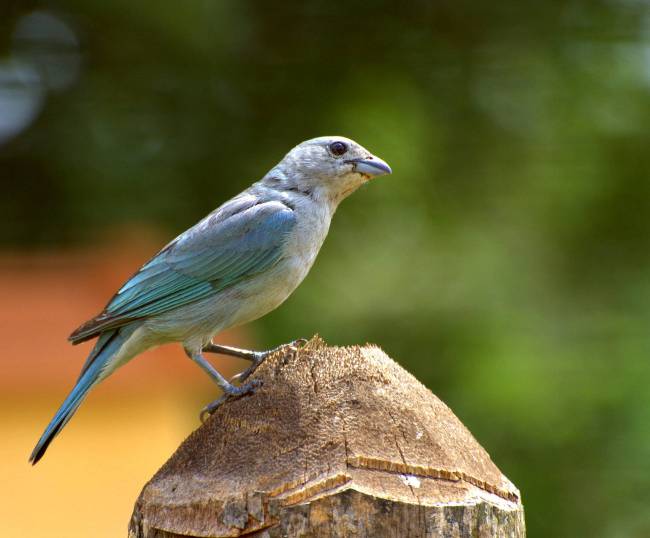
[336,442]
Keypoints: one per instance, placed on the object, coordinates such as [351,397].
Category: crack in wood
[399,449]
[375,464]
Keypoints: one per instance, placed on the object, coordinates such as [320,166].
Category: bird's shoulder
[249,216]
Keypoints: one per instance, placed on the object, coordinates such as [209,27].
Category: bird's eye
[338,148]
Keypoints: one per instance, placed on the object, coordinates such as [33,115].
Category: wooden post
[337,442]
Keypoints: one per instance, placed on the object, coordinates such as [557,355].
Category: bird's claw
[235,392]
[211,408]
[293,347]
[248,388]
[243,376]
[290,348]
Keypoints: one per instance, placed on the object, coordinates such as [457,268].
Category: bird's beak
[372,166]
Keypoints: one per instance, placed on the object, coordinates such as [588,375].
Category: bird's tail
[97,366]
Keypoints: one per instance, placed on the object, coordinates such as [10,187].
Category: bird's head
[328,167]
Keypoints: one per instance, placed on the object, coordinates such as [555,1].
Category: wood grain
[336,442]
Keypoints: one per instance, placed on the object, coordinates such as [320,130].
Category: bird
[236,265]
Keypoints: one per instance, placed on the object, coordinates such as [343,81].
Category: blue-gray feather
[100,357]
[216,253]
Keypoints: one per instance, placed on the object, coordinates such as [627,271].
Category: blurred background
[505,262]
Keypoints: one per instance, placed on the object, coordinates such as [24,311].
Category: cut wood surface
[336,442]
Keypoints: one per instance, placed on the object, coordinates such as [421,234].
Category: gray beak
[372,166]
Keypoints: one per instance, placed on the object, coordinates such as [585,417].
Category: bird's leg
[233,351]
[228,388]
[256,357]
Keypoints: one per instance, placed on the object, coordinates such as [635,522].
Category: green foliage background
[505,263]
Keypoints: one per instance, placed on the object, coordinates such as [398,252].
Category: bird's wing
[224,248]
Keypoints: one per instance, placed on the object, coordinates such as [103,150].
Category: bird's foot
[256,358]
[230,392]
[260,356]
[298,343]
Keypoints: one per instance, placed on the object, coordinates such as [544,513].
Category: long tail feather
[106,348]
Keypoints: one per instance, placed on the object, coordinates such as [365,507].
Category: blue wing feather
[216,253]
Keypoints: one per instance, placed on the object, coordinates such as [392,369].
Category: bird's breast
[305,240]
[266,292]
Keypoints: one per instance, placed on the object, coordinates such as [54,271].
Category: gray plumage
[237,264]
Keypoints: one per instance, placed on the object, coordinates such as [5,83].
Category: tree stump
[336,442]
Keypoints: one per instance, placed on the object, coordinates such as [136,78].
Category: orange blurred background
[126,428]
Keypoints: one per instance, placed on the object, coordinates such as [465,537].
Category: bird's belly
[262,294]
[195,324]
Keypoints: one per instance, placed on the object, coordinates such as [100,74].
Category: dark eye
[338,148]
